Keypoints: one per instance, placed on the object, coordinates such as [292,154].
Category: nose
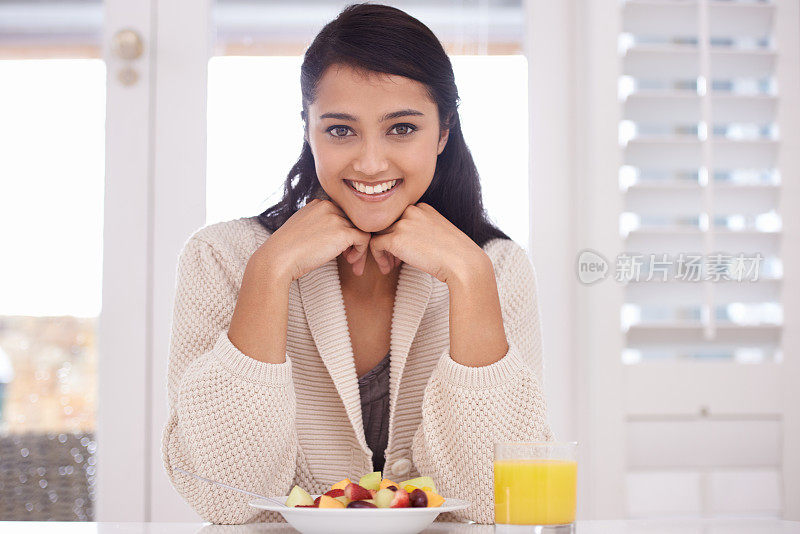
[371,159]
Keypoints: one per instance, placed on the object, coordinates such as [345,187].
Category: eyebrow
[352,118]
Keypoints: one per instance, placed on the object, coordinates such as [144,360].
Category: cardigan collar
[323,303]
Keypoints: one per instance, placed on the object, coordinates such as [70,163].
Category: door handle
[127,45]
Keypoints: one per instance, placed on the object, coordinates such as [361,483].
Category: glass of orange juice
[535,487]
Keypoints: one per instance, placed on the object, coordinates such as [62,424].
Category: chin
[371,227]
[370,224]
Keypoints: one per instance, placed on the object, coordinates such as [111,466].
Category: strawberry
[354,492]
[400,499]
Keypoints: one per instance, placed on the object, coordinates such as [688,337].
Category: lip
[374,198]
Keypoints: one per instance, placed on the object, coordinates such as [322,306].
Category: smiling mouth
[376,190]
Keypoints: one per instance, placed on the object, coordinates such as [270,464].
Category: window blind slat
[684,106]
[660,18]
[684,293]
[680,153]
[746,199]
[673,153]
[681,62]
[674,333]
[679,199]
[740,19]
[659,62]
[755,154]
[664,107]
[664,200]
[676,240]
[742,63]
[759,109]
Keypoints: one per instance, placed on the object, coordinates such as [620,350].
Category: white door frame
[597,202]
[123,331]
[571,146]
[787,34]
[154,199]
[551,69]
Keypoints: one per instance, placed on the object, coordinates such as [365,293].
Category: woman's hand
[312,236]
[425,239]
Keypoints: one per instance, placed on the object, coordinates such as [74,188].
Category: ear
[443,136]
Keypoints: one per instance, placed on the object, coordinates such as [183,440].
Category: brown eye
[403,129]
[338,131]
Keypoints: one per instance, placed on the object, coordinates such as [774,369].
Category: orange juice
[534,492]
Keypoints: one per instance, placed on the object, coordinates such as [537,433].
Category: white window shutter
[700,178]
[700,151]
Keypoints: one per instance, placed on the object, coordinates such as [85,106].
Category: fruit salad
[372,491]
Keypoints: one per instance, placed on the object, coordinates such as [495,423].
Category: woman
[373,318]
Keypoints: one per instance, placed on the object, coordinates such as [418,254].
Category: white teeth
[373,190]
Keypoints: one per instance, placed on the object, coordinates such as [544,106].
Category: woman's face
[370,130]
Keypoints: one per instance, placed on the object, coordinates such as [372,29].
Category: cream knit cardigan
[265,427]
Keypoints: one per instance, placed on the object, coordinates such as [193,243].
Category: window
[52,101]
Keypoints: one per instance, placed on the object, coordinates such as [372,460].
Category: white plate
[358,520]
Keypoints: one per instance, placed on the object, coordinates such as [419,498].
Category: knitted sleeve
[465,410]
[231,417]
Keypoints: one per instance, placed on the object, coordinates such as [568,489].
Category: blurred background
[646,153]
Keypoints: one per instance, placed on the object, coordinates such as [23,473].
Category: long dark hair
[384,39]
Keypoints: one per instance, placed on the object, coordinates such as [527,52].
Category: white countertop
[677,526]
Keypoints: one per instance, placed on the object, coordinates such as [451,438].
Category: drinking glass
[535,487]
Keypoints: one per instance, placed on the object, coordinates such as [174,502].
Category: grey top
[374,389]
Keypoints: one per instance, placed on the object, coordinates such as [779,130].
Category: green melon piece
[384,497]
[299,496]
[420,482]
[371,481]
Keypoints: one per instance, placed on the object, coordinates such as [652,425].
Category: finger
[358,267]
[356,254]
[385,262]
[376,246]
[361,249]
[359,243]
[389,263]
[350,254]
